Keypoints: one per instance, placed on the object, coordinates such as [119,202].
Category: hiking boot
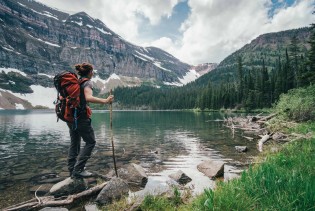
[81,174]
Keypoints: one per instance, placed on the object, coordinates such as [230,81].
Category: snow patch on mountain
[190,76]
[48,43]
[145,56]
[21,4]
[158,64]
[140,57]
[102,30]
[79,23]
[172,83]
[49,76]
[19,106]
[7,70]
[50,16]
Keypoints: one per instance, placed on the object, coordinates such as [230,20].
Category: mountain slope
[268,47]
[38,39]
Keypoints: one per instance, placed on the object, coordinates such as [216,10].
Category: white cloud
[121,16]
[216,29]
[164,43]
[213,30]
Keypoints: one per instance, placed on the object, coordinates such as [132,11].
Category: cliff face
[38,39]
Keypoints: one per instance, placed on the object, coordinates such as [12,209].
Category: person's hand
[110,99]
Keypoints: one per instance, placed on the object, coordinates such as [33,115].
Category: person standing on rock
[77,158]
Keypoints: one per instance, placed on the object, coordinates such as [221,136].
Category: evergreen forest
[252,83]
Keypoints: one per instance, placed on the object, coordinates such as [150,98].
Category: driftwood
[248,138]
[262,141]
[50,201]
[266,118]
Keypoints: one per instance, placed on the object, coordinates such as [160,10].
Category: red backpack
[68,103]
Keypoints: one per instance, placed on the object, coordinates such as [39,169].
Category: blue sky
[168,26]
[195,31]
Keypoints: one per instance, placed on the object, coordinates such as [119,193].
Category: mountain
[267,48]
[252,77]
[39,41]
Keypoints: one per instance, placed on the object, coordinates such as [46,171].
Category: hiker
[77,158]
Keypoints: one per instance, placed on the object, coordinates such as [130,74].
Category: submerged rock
[180,177]
[114,189]
[68,186]
[241,148]
[212,168]
[133,174]
[46,178]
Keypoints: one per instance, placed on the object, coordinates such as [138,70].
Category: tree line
[254,86]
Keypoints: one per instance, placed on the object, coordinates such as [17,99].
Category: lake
[33,144]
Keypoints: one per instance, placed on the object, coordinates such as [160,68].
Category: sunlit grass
[285,181]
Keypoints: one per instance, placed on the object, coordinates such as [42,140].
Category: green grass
[285,181]
[304,128]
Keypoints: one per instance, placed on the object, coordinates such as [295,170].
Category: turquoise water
[33,144]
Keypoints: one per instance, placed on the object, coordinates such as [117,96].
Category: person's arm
[88,92]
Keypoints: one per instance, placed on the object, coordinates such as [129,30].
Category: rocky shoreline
[136,178]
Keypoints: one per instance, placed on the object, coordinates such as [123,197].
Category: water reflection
[33,143]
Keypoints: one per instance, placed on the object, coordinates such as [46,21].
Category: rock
[212,168]
[91,207]
[180,177]
[241,148]
[133,174]
[231,172]
[68,186]
[115,189]
[54,209]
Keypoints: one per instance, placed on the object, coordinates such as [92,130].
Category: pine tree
[240,79]
[265,86]
[289,83]
[310,76]
[294,54]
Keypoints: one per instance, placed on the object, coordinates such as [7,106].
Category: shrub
[298,104]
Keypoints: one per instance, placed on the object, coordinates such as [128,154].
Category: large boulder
[133,174]
[180,177]
[114,189]
[68,186]
[212,168]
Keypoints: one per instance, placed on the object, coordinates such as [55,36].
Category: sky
[194,31]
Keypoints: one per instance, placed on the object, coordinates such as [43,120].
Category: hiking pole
[111,131]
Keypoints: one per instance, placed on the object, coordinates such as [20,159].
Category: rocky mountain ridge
[37,41]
